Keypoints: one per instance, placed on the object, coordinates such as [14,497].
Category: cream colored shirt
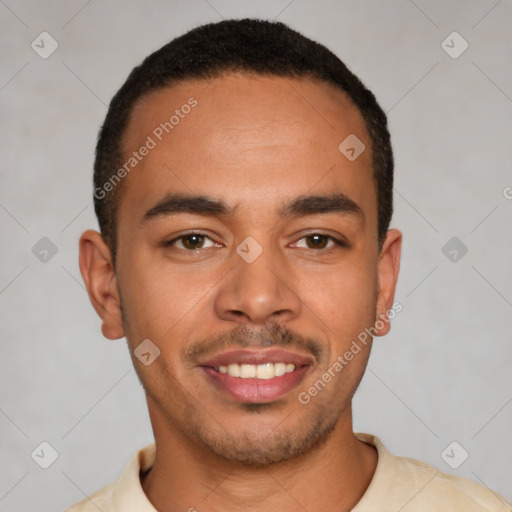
[399,484]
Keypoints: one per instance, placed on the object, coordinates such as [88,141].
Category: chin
[263,448]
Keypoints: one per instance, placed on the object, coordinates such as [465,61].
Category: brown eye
[191,242]
[317,241]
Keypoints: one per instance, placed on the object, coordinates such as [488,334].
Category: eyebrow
[175,203]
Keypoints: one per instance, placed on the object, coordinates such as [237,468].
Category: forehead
[248,136]
[237,103]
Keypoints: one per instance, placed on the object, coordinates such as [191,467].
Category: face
[248,256]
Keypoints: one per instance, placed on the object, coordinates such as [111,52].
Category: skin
[255,143]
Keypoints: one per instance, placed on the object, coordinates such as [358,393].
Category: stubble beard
[250,448]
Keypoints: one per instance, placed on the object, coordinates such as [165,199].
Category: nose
[258,292]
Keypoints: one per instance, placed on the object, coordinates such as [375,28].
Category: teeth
[259,371]
[279,369]
[265,371]
[234,370]
[247,371]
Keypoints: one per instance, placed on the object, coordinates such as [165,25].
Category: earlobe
[388,269]
[100,280]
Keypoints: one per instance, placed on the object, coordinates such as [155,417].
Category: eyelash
[337,242]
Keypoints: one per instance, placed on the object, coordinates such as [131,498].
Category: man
[243,187]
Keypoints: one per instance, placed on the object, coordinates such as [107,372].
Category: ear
[100,280]
[388,268]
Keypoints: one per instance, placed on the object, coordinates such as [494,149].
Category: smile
[263,371]
[261,376]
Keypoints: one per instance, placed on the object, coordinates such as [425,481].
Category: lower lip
[256,391]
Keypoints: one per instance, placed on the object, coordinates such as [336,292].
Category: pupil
[196,240]
[316,241]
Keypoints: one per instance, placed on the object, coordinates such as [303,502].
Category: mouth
[263,371]
[256,377]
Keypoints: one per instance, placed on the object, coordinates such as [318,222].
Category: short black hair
[252,46]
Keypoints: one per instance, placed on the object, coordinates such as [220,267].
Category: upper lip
[257,357]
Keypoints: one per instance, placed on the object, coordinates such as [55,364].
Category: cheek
[343,296]
[157,297]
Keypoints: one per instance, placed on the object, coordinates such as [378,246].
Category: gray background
[441,375]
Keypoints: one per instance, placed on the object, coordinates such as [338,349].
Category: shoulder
[100,500]
[126,493]
[402,483]
[453,492]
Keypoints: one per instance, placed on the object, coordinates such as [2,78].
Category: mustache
[272,335]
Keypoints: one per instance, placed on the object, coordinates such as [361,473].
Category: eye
[320,241]
[194,241]
[191,242]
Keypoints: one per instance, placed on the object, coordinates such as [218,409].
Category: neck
[188,477]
